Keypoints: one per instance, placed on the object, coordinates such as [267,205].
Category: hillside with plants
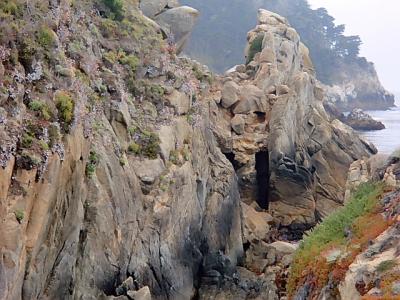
[223,25]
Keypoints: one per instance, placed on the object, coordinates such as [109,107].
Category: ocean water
[386,140]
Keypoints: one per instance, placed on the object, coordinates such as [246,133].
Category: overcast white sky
[377,22]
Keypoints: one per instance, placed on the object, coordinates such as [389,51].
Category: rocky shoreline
[128,172]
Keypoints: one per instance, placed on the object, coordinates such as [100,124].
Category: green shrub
[153,92]
[116,7]
[54,135]
[46,37]
[134,148]
[132,130]
[150,145]
[27,50]
[255,47]
[42,108]
[186,154]
[92,164]
[174,157]
[65,106]
[27,140]
[131,61]
[28,161]
[44,145]
[9,7]
[111,56]
[123,160]
[19,215]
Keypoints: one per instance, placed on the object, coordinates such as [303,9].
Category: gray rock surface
[178,23]
[308,154]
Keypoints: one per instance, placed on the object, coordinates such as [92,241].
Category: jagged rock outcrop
[102,178]
[360,120]
[176,21]
[352,81]
[272,125]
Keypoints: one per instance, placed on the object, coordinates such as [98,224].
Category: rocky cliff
[113,181]
[108,168]
[357,85]
[272,124]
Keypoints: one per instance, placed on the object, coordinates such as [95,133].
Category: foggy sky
[377,22]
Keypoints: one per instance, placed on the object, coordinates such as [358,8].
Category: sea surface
[386,140]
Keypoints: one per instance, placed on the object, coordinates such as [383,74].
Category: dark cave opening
[262,169]
[231,157]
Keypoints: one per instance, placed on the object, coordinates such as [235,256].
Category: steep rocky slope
[112,178]
[109,168]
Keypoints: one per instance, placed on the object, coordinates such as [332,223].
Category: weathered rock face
[274,129]
[176,21]
[113,184]
[104,179]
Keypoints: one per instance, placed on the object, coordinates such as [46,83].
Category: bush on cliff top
[255,47]
[332,233]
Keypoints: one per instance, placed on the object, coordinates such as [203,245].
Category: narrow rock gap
[260,116]
[231,157]
[262,169]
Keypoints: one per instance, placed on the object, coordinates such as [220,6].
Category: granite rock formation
[271,123]
[113,178]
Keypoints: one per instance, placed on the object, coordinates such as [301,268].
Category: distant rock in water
[360,120]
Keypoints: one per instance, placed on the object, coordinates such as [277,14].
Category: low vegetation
[255,47]
[46,38]
[386,265]
[145,143]
[91,165]
[19,215]
[41,108]
[65,105]
[149,91]
[116,8]
[347,232]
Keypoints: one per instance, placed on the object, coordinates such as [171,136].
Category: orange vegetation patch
[311,266]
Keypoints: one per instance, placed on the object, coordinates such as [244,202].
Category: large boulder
[151,8]
[178,23]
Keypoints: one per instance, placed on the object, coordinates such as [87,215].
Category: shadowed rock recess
[113,178]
